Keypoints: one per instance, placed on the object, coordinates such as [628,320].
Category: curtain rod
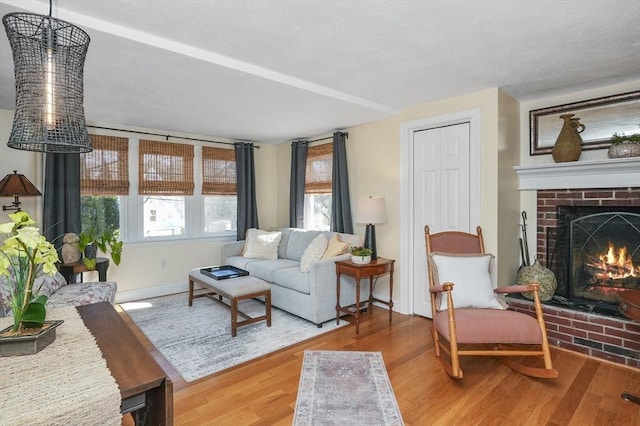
[165,136]
[328,137]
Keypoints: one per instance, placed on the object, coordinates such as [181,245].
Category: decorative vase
[537,273]
[568,146]
[624,149]
[70,251]
[361,260]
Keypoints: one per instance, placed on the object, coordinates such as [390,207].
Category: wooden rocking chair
[458,330]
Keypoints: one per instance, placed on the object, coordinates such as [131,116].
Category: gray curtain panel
[61,197]
[296,186]
[340,201]
[246,187]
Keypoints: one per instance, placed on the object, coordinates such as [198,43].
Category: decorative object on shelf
[361,255]
[568,146]
[23,255]
[371,211]
[623,146]
[48,56]
[602,116]
[15,185]
[537,273]
[70,251]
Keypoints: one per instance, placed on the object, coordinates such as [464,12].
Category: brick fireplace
[599,184]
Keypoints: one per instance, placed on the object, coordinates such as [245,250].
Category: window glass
[317,211]
[100,213]
[220,213]
[163,215]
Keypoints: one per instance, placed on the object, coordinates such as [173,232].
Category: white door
[441,182]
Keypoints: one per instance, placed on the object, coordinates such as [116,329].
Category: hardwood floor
[263,391]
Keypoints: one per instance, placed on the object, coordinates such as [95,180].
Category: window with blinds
[318,171]
[317,187]
[105,170]
[219,190]
[165,168]
[218,171]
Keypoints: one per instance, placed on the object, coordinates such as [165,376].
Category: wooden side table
[70,271]
[376,268]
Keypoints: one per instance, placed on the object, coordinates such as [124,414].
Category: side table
[376,268]
[70,271]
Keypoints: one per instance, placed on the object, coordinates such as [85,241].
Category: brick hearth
[614,339]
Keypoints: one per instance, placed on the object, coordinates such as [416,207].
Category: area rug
[343,387]
[197,340]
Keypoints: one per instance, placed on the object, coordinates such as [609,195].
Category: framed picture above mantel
[602,117]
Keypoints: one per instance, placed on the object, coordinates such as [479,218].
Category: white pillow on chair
[471,278]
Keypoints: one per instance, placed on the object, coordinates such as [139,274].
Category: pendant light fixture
[48,56]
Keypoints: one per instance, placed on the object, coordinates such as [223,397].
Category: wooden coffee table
[233,289]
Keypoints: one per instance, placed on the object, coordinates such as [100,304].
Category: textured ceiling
[275,70]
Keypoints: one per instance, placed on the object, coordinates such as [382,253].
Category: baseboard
[146,293]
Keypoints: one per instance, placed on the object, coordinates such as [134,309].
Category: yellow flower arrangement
[23,255]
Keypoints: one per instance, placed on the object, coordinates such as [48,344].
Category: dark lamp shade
[48,57]
[17,184]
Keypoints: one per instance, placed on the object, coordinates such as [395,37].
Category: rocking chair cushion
[488,325]
[470,275]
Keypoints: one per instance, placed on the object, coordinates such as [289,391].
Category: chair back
[454,242]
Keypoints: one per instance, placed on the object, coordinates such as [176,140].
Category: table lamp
[16,185]
[371,211]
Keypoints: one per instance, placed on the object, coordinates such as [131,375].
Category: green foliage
[99,213]
[619,138]
[360,251]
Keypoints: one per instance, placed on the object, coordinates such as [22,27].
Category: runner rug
[197,340]
[343,387]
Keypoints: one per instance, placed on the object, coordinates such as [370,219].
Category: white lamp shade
[371,210]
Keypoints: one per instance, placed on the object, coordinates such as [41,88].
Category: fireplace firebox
[595,253]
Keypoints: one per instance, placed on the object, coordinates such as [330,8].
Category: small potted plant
[360,255]
[624,145]
[108,242]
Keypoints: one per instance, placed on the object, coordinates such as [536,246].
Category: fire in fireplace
[596,255]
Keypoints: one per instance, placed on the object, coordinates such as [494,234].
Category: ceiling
[271,71]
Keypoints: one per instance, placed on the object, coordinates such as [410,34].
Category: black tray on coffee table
[224,272]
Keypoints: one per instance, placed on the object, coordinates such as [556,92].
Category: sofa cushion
[335,247]
[265,269]
[293,279]
[299,240]
[262,244]
[48,284]
[240,261]
[314,252]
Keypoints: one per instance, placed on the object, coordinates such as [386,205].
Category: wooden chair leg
[267,304]
[234,316]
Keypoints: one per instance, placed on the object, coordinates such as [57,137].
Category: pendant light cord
[50,7]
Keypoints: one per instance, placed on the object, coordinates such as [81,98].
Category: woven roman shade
[318,174]
[165,168]
[105,170]
[218,171]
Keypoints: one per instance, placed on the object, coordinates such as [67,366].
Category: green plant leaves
[35,313]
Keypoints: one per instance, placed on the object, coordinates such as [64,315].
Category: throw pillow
[262,244]
[313,252]
[335,247]
[471,278]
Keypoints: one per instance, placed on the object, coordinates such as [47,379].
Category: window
[317,188]
[165,178]
[219,189]
[104,177]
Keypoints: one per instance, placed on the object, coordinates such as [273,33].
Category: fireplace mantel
[610,173]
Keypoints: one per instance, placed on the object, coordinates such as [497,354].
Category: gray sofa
[309,295]
[60,294]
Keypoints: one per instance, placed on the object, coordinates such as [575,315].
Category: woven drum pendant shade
[48,56]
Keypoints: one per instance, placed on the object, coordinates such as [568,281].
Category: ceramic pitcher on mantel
[568,146]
